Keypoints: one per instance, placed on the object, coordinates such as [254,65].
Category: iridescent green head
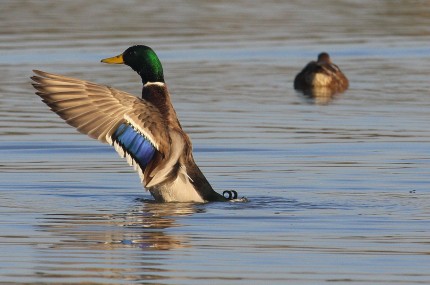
[141,59]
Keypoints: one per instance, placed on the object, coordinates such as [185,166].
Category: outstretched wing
[133,126]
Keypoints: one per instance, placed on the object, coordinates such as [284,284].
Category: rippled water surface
[338,188]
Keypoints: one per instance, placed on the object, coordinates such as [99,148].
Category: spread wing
[132,125]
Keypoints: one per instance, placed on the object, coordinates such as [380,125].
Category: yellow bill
[114,60]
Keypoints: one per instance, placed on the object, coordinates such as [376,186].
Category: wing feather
[102,112]
[97,110]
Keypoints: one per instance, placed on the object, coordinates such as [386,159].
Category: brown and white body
[144,130]
[322,73]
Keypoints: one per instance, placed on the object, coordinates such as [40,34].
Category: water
[338,188]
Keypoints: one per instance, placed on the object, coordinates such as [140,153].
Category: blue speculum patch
[135,144]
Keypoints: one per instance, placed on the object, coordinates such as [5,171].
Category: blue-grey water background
[338,188]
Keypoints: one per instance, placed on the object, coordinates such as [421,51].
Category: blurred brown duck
[322,73]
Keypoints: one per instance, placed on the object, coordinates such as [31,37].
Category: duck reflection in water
[143,227]
[321,80]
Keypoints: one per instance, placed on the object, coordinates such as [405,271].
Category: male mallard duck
[321,74]
[144,130]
